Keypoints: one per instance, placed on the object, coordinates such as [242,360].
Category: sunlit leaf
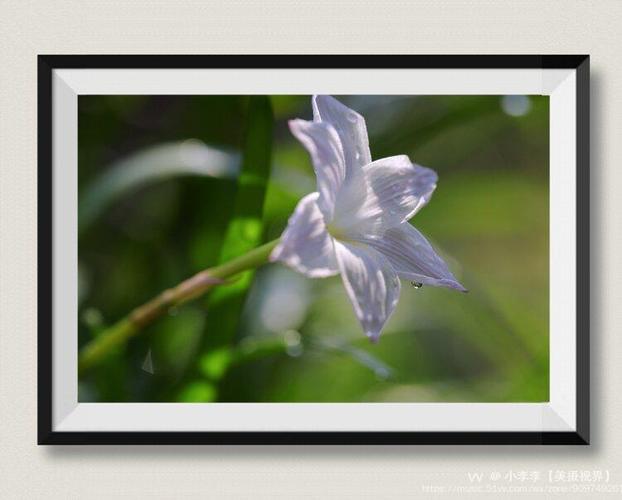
[245,230]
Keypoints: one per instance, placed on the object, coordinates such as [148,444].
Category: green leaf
[245,229]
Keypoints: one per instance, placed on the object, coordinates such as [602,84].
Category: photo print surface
[291,248]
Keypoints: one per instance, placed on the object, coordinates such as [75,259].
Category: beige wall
[28,28]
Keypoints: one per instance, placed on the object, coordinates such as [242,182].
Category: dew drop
[352,117]
[416,284]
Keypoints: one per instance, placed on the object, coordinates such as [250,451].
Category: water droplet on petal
[416,284]
[352,117]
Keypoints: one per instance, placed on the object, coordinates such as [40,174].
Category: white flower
[356,224]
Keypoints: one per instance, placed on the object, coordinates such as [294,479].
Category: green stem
[187,290]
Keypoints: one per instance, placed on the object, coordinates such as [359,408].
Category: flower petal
[305,244]
[324,146]
[412,256]
[371,283]
[396,190]
[349,125]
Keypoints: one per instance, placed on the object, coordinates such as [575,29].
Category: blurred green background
[171,185]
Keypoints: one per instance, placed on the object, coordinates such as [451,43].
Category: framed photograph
[286,249]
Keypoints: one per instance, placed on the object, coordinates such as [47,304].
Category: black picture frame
[47,63]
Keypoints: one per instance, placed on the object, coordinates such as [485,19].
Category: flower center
[339,234]
[335,232]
